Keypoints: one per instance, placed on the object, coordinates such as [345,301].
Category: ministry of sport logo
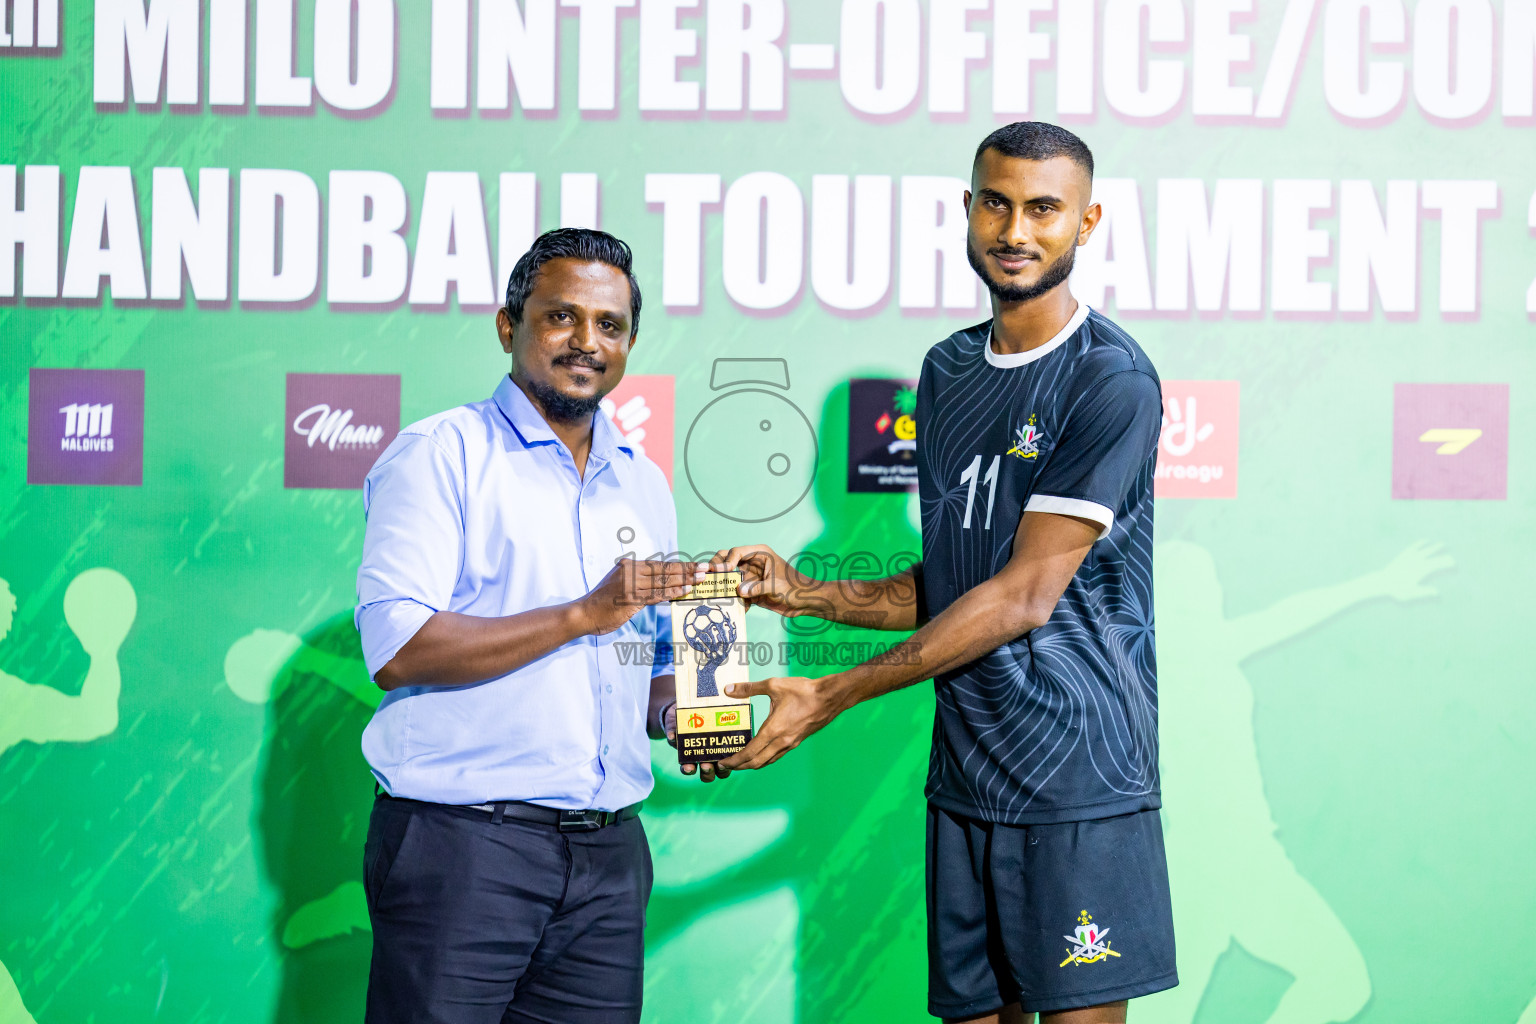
[86,427]
[1026,440]
[882,435]
[337,425]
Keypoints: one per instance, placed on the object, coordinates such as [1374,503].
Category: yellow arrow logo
[1451,440]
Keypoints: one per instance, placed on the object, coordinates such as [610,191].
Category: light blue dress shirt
[480,510]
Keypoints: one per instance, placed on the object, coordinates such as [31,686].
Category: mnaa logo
[337,426]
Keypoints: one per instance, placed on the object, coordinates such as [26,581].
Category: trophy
[709,637]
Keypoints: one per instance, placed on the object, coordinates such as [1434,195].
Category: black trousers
[478,922]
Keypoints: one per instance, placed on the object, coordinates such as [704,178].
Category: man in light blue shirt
[525,652]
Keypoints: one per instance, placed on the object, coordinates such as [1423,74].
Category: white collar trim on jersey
[1013,359]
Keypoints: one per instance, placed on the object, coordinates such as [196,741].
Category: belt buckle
[580,821]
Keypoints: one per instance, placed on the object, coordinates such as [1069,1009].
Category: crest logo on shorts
[1026,440]
[1089,944]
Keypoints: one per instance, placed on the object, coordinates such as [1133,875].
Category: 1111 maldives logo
[1089,944]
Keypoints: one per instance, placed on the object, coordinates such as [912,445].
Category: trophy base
[711,733]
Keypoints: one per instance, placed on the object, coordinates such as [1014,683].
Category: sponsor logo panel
[1450,441]
[642,408]
[336,427]
[86,427]
[1197,450]
[882,435]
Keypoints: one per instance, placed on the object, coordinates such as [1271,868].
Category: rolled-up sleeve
[660,624]
[413,547]
[661,640]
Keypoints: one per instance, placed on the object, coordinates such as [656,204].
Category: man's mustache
[1025,253]
[588,361]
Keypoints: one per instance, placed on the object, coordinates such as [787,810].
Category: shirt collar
[1012,359]
[533,428]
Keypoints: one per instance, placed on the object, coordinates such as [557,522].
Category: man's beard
[1054,274]
[563,407]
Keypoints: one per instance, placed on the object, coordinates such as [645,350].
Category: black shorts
[1053,917]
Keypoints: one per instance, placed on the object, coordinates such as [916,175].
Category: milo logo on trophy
[709,631]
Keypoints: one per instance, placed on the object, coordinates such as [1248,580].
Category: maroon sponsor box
[86,427]
[337,425]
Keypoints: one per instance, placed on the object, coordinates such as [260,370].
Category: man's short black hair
[1037,140]
[586,244]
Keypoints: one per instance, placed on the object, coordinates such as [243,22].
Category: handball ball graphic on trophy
[750,454]
[711,632]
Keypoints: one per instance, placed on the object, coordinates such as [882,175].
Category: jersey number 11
[969,476]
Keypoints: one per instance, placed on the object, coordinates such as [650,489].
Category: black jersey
[1059,724]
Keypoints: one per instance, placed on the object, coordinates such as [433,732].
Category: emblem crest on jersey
[1089,942]
[1026,440]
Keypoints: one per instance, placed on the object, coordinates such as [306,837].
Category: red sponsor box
[641,407]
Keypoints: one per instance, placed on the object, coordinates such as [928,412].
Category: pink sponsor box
[1450,441]
[1197,451]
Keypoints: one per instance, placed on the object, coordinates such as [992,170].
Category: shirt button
[610,687]
[605,748]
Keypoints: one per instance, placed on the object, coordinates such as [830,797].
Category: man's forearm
[452,649]
[980,621]
[888,603]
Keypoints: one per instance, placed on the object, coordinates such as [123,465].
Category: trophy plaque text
[709,637]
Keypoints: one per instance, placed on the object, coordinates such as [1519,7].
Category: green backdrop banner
[242,241]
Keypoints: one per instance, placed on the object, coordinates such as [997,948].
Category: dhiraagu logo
[725,718]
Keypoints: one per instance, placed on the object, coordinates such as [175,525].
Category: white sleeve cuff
[386,626]
[1100,514]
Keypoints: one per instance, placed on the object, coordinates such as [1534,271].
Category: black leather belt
[565,821]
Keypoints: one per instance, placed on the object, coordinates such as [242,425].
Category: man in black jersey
[1037,437]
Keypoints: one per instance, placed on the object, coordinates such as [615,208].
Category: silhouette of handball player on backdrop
[712,633]
[99,608]
[313,799]
[1232,878]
